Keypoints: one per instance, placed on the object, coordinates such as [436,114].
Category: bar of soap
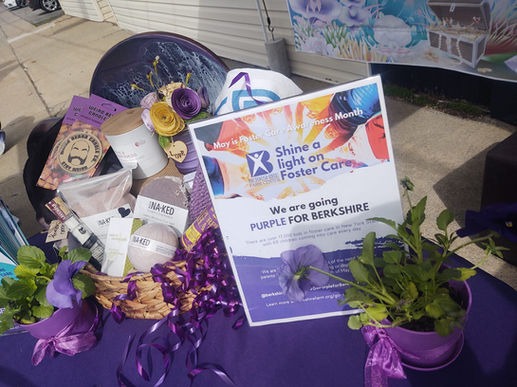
[163,199]
[166,189]
[151,244]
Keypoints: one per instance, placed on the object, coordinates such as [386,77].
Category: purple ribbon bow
[383,359]
[65,343]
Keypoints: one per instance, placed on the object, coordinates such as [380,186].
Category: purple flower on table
[296,276]
[501,218]
[186,102]
[61,291]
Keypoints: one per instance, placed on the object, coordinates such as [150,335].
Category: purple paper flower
[501,218]
[148,100]
[146,118]
[61,291]
[202,92]
[296,277]
[186,102]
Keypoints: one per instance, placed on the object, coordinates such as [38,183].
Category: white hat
[248,87]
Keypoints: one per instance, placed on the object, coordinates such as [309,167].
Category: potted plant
[48,300]
[406,284]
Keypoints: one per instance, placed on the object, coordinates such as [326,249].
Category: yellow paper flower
[165,120]
[167,90]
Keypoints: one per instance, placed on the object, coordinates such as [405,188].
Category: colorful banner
[294,183]
[471,36]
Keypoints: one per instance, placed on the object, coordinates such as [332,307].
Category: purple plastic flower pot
[428,351]
[81,317]
[191,162]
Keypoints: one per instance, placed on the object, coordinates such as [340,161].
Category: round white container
[136,147]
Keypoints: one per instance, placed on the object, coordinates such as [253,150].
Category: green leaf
[388,222]
[7,281]
[200,116]
[30,256]
[392,271]
[353,294]
[377,312]
[164,141]
[79,254]
[448,274]
[411,292]
[6,320]
[392,256]
[359,271]
[23,271]
[42,311]
[443,326]
[367,253]
[466,273]
[354,322]
[434,310]
[41,296]
[418,273]
[21,289]
[417,212]
[85,284]
[444,219]
[457,274]
[441,239]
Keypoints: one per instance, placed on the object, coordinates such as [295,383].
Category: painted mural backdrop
[472,36]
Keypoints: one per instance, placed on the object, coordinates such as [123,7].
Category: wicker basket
[148,302]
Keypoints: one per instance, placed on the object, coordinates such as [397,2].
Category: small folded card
[116,262]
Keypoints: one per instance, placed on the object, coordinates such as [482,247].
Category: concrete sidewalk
[42,67]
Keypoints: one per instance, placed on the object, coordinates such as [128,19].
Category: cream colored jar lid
[123,122]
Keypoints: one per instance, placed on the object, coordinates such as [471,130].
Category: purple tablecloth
[321,352]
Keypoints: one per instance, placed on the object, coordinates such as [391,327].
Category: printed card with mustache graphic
[80,144]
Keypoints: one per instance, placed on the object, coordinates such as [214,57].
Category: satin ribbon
[65,343]
[209,278]
[247,83]
[383,361]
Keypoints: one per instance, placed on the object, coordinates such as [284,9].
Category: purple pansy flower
[501,218]
[296,277]
[61,291]
[186,102]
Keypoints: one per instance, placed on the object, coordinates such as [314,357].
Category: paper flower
[165,120]
[149,100]
[60,291]
[165,92]
[501,218]
[186,103]
[203,96]
[296,277]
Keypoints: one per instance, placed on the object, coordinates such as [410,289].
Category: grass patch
[455,107]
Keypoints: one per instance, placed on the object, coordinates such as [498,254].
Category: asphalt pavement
[36,17]
[42,65]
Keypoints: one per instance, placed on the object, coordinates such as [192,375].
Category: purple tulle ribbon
[208,277]
[65,343]
[383,361]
